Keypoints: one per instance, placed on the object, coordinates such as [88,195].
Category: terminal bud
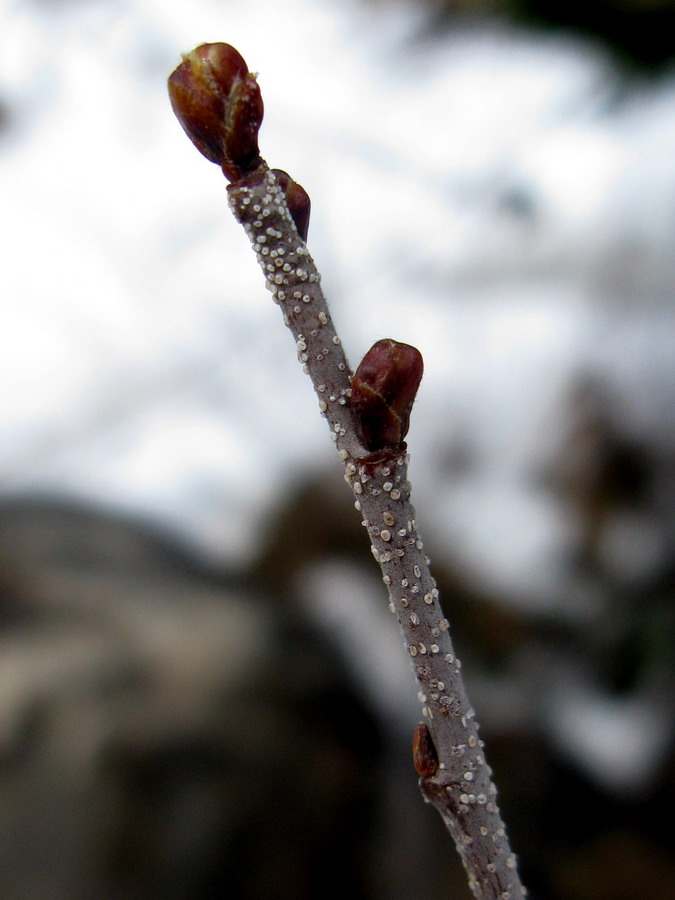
[218,103]
[383,391]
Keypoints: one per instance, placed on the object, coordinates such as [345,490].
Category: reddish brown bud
[383,392]
[297,200]
[425,757]
[218,103]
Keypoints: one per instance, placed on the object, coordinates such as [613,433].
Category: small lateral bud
[383,391]
[218,103]
[297,200]
[425,757]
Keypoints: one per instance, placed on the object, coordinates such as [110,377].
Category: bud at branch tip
[218,103]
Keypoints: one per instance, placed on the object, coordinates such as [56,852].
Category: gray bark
[461,786]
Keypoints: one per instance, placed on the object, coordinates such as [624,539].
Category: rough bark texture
[461,786]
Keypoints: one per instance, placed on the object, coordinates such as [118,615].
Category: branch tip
[218,103]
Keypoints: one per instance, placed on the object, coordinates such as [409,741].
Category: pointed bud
[425,757]
[297,201]
[218,103]
[383,392]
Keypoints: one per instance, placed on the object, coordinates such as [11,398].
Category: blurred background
[202,692]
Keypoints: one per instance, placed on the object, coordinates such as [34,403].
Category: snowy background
[493,199]
[502,200]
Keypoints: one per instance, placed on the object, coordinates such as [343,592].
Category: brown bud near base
[297,200]
[425,757]
[218,103]
[383,392]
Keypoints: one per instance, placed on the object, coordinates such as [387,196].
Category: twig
[213,94]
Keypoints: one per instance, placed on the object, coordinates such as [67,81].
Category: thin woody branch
[368,415]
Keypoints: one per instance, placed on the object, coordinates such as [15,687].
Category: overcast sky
[496,199]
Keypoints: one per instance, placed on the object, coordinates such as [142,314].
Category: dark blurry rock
[612,484]
[638,33]
[167,732]
[171,731]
